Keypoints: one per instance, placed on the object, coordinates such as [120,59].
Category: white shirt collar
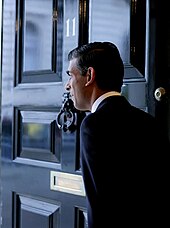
[101,98]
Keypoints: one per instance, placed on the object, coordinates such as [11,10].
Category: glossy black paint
[31,102]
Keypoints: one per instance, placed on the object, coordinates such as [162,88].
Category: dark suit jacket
[124,166]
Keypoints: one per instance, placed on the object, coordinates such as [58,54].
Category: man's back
[126,163]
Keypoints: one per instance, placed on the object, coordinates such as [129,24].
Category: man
[122,155]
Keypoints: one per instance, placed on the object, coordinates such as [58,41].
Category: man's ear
[90,76]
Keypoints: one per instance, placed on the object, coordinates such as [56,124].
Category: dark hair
[105,58]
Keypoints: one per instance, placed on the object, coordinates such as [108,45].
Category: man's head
[94,69]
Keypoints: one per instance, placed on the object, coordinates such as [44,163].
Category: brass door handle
[159,93]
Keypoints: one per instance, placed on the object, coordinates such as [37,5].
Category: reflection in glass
[110,21]
[36,136]
[37,50]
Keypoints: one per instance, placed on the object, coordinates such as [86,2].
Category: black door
[41,178]
[159,64]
